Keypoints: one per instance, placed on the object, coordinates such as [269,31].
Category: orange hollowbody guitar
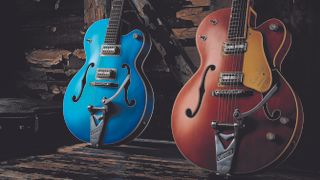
[238,114]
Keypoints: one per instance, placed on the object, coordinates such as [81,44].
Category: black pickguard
[83,83]
[202,90]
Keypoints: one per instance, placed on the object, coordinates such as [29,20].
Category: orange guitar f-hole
[238,114]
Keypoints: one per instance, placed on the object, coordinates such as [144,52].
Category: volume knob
[137,36]
[270,136]
[284,120]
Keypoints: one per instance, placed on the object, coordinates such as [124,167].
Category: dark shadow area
[300,68]
[31,127]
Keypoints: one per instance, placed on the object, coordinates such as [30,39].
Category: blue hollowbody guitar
[110,100]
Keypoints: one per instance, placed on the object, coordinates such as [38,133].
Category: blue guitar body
[103,77]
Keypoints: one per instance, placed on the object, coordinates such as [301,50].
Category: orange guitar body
[204,118]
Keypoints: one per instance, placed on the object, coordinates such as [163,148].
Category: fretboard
[113,32]
[237,24]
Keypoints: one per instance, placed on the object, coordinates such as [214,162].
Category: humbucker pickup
[235,47]
[104,73]
[107,50]
[231,78]
[232,92]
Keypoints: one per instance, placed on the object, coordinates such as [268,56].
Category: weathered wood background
[137,160]
[43,50]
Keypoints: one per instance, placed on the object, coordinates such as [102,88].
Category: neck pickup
[110,50]
[237,47]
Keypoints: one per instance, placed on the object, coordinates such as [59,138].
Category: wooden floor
[138,160]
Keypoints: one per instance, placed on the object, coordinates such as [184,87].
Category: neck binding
[238,20]
[113,32]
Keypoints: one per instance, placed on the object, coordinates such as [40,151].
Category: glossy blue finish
[123,120]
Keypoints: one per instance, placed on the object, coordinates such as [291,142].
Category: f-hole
[274,115]
[202,90]
[83,83]
[132,102]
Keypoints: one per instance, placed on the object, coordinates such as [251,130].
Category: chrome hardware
[137,36]
[106,85]
[98,120]
[224,156]
[274,27]
[270,136]
[107,50]
[235,47]
[231,78]
[214,21]
[218,126]
[21,127]
[238,115]
[203,37]
[93,109]
[107,101]
[97,123]
[284,120]
[105,73]
[233,92]
[36,123]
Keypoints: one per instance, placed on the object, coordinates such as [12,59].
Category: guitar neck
[238,20]
[113,32]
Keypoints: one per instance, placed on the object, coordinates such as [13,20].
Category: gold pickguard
[256,70]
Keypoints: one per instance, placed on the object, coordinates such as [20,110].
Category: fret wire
[237,21]
[112,33]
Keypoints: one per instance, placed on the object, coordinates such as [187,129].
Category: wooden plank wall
[53,33]
[50,34]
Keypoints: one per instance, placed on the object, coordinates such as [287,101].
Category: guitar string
[234,25]
[108,40]
[243,28]
[240,53]
[236,57]
[229,85]
[222,96]
[237,53]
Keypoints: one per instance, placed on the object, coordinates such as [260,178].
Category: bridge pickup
[232,92]
[106,74]
[107,85]
[231,78]
[235,47]
[107,50]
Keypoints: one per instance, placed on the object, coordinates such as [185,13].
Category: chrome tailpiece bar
[225,155]
[98,116]
[238,115]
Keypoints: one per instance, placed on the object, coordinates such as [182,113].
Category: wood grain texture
[138,160]
[94,10]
